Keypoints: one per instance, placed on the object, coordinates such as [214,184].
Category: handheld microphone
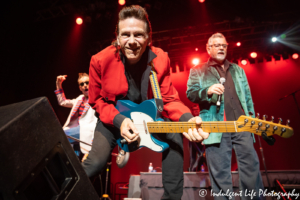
[222,81]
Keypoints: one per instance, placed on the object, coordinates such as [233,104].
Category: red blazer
[108,80]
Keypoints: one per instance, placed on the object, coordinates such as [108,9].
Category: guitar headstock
[257,126]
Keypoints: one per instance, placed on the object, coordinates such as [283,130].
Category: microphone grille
[222,80]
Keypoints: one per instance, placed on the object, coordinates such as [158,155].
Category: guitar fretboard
[179,127]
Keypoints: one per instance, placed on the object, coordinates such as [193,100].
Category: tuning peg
[272,119]
[250,113]
[257,115]
[283,130]
[264,117]
[279,121]
[288,122]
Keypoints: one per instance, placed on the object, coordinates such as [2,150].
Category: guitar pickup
[145,126]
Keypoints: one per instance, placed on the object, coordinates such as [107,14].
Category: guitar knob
[275,128]
[267,126]
[252,122]
[283,130]
[288,122]
[123,141]
[264,117]
[259,124]
[272,119]
[246,121]
[257,115]
[279,121]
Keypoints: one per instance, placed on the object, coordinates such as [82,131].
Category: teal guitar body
[140,114]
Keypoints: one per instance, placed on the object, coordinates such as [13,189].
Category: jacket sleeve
[195,91]
[62,101]
[174,109]
[104,106]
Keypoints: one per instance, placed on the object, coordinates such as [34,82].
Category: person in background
[196,149]
[203,88]
[81,121]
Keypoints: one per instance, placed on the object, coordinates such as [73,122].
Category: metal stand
[282,188]
[105,195]
[293,94]
[263,159]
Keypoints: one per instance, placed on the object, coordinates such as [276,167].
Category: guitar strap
[156,89]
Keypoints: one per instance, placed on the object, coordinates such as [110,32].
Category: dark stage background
[33,53]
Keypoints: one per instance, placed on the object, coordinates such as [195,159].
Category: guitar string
[245,128]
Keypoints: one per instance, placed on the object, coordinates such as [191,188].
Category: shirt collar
[148,54]
[211,62]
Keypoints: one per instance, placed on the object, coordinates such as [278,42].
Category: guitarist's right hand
[129,131]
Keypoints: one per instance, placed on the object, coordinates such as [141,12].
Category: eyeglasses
[219,45]
[82,84]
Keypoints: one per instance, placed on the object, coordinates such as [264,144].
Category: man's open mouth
[133,49]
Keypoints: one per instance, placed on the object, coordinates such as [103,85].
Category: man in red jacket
[121,71]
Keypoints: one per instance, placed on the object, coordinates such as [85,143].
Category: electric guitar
[146,119]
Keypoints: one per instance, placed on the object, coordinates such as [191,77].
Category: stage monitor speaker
[37,160]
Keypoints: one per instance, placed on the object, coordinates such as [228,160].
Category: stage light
[201,1]
[195,61]
[295,56]
[253,55]
[274,39]
[244,62]
[283,36]
[238,44]
[122,2]
[196,49]
[79,21]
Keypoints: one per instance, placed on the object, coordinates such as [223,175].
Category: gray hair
[215,35]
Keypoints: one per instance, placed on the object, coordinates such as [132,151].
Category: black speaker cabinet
[37,161]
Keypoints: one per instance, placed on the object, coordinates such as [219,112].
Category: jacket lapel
[214,72]
[235,79]
[86,107]
[76,108]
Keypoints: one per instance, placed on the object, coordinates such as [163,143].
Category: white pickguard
[139,119]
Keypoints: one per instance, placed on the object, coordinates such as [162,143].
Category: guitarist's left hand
[196,135]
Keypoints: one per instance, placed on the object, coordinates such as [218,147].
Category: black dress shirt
[232,104]
[137,83]
[135,74]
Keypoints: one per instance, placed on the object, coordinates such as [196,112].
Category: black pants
[196,150]
[172,158]
[218,157]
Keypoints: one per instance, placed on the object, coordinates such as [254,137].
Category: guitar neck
[179,127]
